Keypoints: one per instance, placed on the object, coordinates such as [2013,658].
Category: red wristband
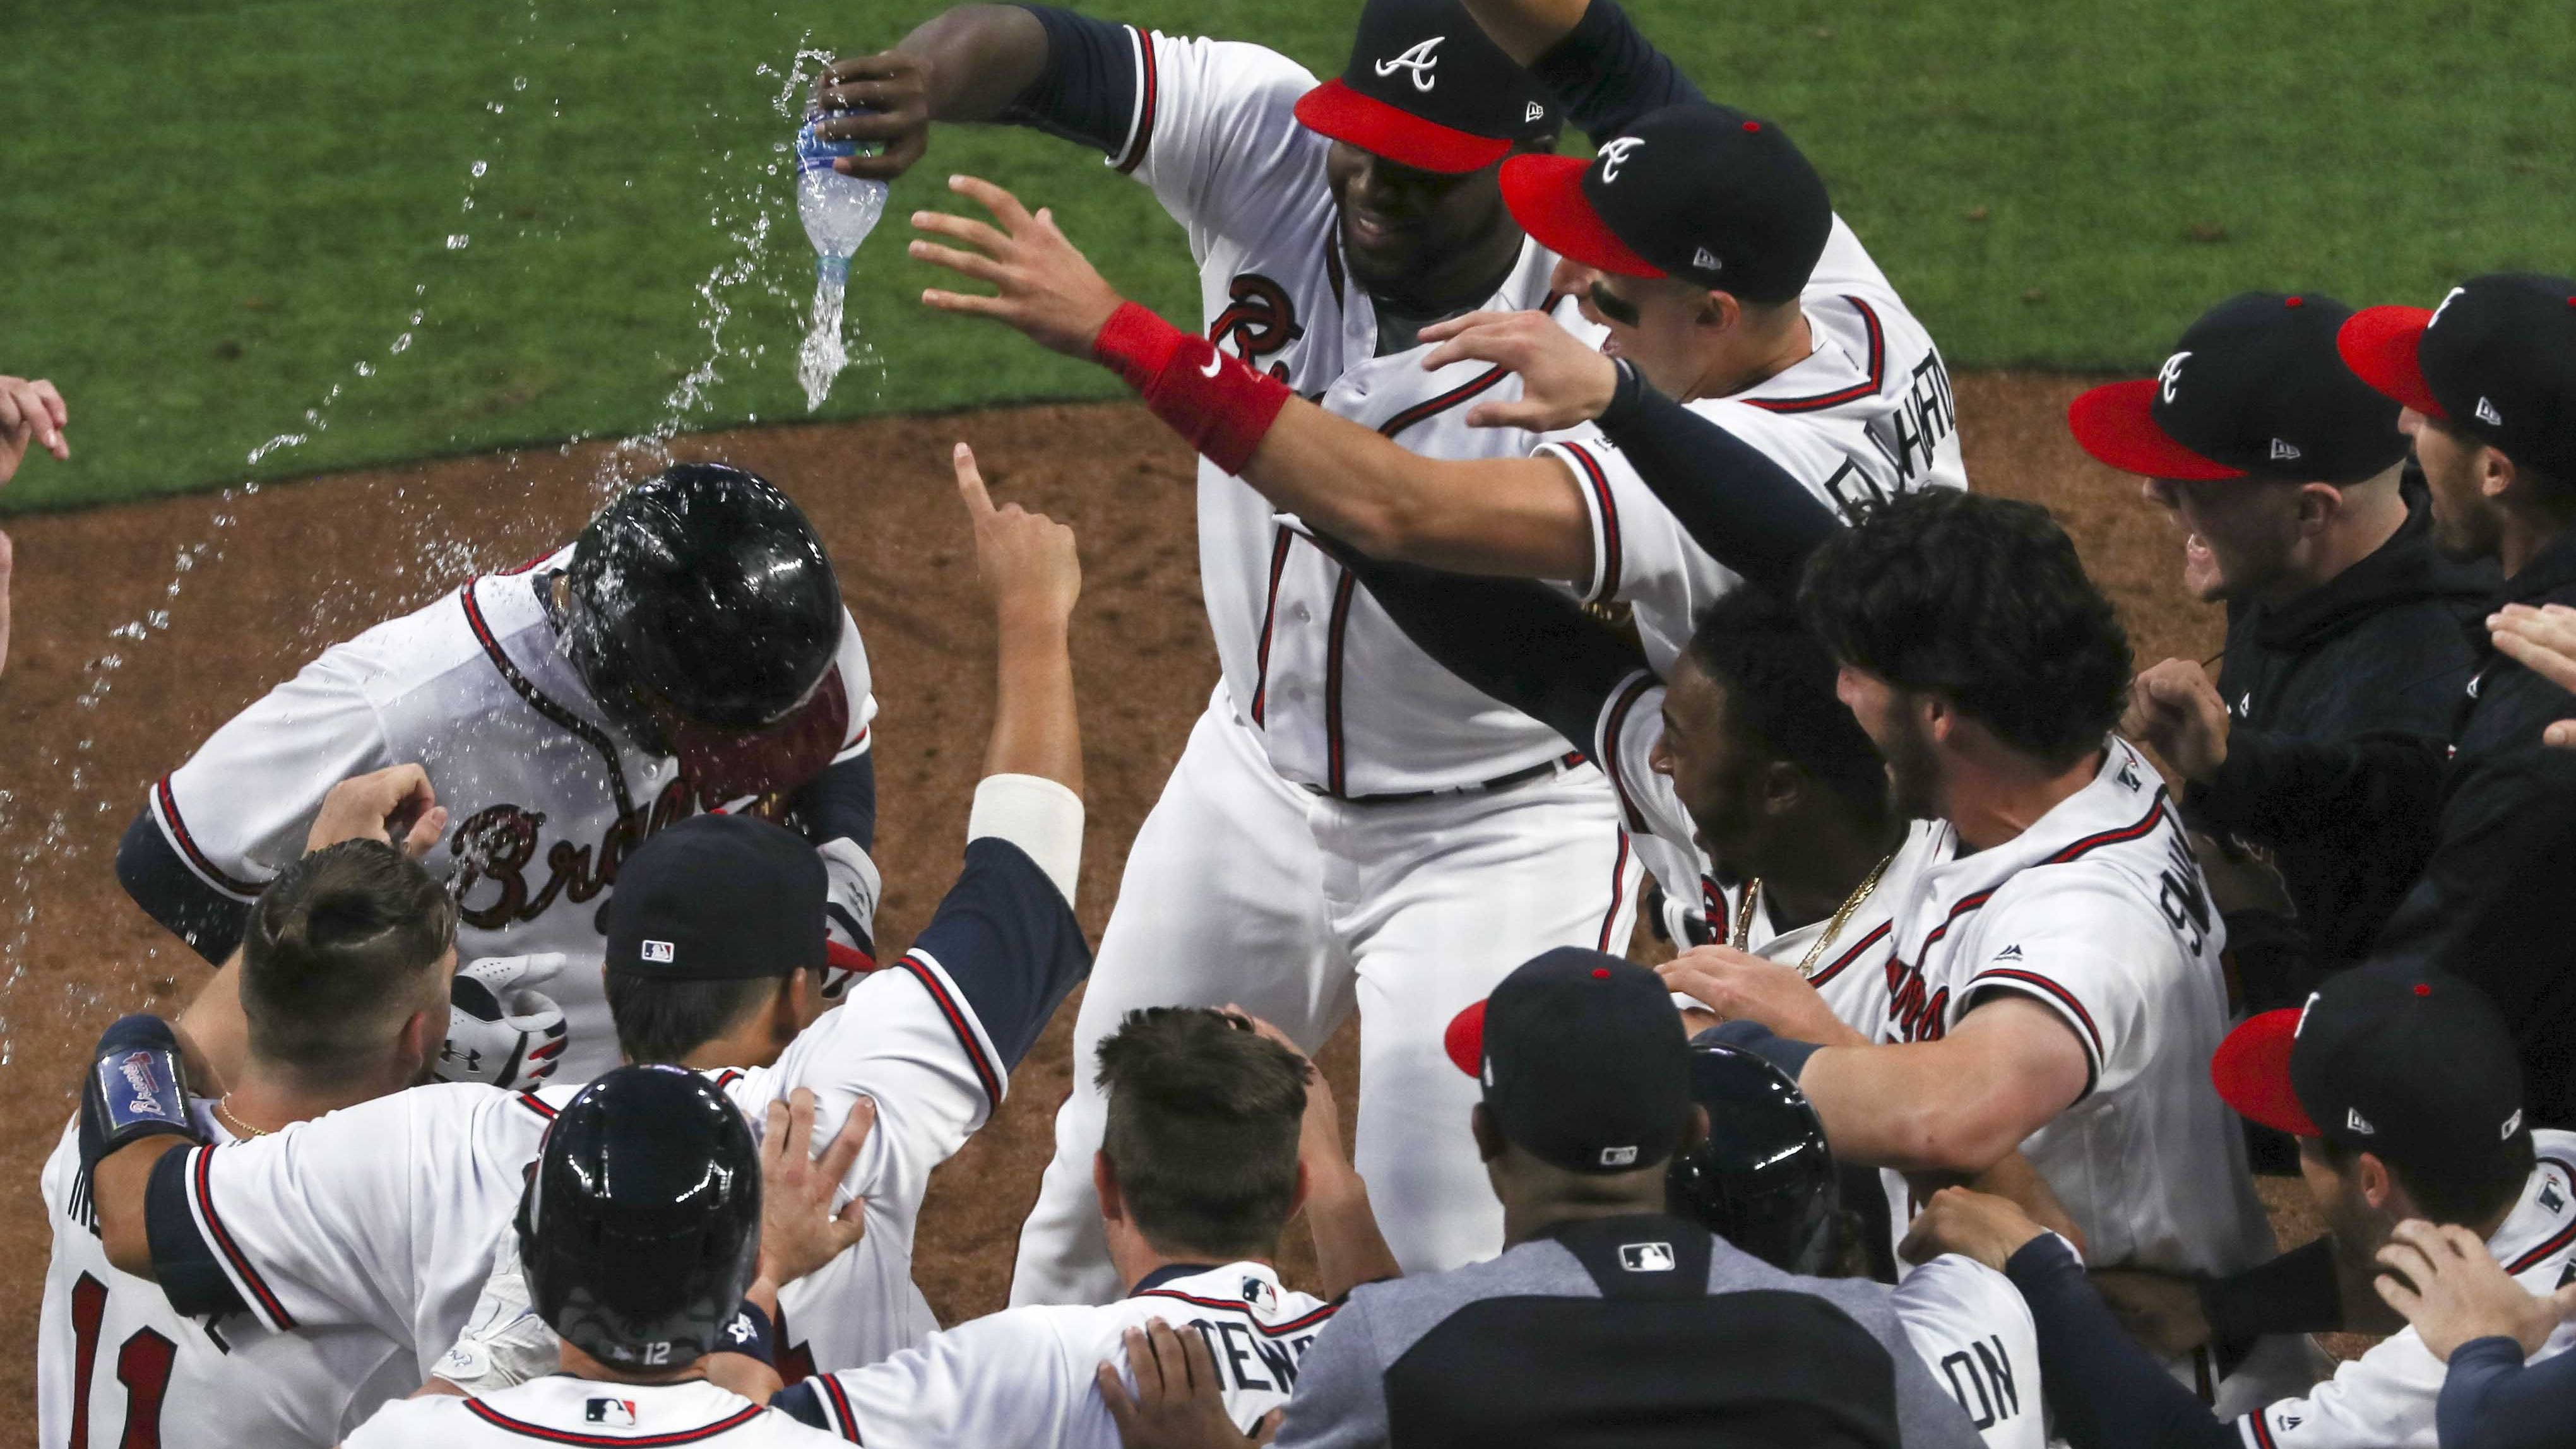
[1219,403]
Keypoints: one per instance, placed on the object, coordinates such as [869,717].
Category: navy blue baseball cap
[718,898]
[1582,1059]
[1426,88]
[2497,360]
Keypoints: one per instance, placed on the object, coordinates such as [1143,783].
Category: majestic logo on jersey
[1260,319]
[2284,452]
[2009,953]
[2169,376]
[1419,58]
[1615,154]
[1646,1257]
[498,844]
[2488,415]
[617,1413]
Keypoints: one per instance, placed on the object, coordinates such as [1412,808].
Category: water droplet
[518,82]
[457,241]
[495,107]
[482,166]
[365,369]
[401,343]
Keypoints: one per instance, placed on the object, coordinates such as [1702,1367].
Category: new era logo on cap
[2353,1121]
[1706,260]
[662,951]
[2284,452]
[1420,58]
[1533,112]
[2488,415]
[1646,1257]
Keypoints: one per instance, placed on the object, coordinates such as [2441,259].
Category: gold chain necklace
[1752,898]
[238,1127]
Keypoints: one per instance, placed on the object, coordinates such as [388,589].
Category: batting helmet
[1763,1179]
[640,1230]
[705,618]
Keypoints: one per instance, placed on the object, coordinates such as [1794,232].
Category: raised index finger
[1005,207]
[970,483]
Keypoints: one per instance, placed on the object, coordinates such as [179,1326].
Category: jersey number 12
[142,1365]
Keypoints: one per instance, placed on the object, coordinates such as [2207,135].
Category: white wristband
[1040,816]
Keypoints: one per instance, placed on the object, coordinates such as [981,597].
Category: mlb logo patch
[1646,1257]
[616,1413]
[1258,1294]
[662,951]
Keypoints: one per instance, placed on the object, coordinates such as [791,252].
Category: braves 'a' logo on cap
[1615,154]
[2512,1125]
[2170,375]
[1418,58]
[2448,298]
[2304,1008]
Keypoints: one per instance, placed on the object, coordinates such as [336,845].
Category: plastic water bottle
[839,211]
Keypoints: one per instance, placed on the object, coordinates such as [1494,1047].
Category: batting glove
[499,1032]
[849,914]
[505,1343]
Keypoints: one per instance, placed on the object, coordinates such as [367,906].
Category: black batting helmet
[640,1230]
[705,618]
[1763,1179]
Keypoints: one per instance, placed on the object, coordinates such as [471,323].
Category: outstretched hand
[1178,1403]
[799,1231]
[2452,1290]
[1048,290]
[2542,640]
[1563,382]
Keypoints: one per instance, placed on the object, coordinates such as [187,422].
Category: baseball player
[382,1218]
[640,1229]
[1764,1180]
[31,411]
[1349,826]
[689,650]
[2057,984]
[1216,1137]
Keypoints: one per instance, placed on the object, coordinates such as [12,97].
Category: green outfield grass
[215,216]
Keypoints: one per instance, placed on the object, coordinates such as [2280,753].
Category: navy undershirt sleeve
[1087,92]
[2107,1392]
[1606,75]
[169,892]
[841,803]
[1733,500]
[1517,640]
[800,1402]
[1006,937]
[183,1263]
[2491,1401]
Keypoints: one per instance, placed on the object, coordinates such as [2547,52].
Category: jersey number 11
[142,1365]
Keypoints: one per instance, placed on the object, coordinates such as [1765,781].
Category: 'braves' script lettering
[498,844]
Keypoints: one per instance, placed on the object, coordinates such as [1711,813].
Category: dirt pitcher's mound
[255,586]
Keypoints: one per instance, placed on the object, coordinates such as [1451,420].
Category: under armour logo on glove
[849,914]
[1419,58]
[499,1032]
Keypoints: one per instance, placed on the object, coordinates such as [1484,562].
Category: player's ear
[1104,1182]
[2318,505]
[1784,785]
[417,1044]
[1297,1199]
[2376,1182]
[1489,1143]
[2496,472]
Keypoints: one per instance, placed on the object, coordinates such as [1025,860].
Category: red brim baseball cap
[730,764]
[1545,194]
[2379,344]
[1465,1040]
[2252,1070]
[1334,109]
[2116,424]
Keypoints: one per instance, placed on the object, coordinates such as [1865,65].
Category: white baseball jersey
[1851,972]
[1866,416]
[1341,697]
[1025,1378]
[2385,1399]
[2097,912]
[116,1365]
[382,1218]
[1970,1327]
[544,798]
[560,1409]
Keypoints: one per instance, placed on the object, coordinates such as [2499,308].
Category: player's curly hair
[1202,1130]
[1779,682]
[338,953]
[1980,600]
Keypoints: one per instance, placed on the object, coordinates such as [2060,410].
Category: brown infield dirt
[310,563]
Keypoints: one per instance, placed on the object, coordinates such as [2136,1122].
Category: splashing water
[822,357]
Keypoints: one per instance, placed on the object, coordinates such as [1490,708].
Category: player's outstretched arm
[964,64]
[30,412]
[1349,1248]
[1517,517]
[1958,1104]
[1032,575]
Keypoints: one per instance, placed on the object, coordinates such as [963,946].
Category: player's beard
[1913,770]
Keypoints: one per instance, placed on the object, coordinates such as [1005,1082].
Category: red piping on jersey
[1269,613]
[1266,1330]
[1333,682]
[2557,1240]
[529,1101]
[1848,957]
[842,1418]
[958,1023]
[2262,1430]
[1599,483]
[1610,731]
[2152,819]
[532,563]
[1432,407]
[188,842]
[1867,388]
[269,1305]
[1149,82]
[727,1078]
[1618,891]
[590,734]
[499,1420]
[2064,997]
